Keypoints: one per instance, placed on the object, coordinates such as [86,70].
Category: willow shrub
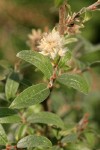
[43,116]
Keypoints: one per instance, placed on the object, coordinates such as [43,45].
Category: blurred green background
[17,19]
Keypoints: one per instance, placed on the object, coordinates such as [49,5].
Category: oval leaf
[32,95]
[3,137]
[12,85]
[70,138]
[91,57]
[10,119]
[46,118]
[74,80]
[8,116]
[34,141]
[41,62]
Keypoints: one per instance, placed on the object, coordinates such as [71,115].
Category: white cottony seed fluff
[52,44]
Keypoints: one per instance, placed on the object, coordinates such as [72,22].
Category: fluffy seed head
[52,44]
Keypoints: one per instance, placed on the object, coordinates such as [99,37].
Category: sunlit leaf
[40,61]
[32,95]
[46,118]
[34,141]
[74,80]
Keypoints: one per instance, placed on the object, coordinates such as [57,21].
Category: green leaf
[5,64]
[4,69]
[74,80]
[4,112]
[32,95]
[79,146]
[91,57]
[12,85]
[2,87]
[41,62]
[10,119]
[3,137]
[21,131]
[3,73]
[69,138]
[90,138]
[95,64]
[8,116]
[87,16]
[64,59]
[34,141]
[46,118]
[55,148]
[70,40]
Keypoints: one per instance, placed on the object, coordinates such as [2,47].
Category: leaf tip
[11,106]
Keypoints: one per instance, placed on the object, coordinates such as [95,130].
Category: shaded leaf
[91,57]
[95,64]
[46,118]
[87,16]
[8,116]
[3,137]
[3,73]
[90,138]
[12,85]
[74,80]
[4,112]
[56,148]
[41,62]
[34,141]
[32,95]
[64,59]
[69,138]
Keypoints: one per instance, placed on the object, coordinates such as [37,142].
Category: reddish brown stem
[62,15]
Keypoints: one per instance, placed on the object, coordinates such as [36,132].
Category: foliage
[57,109]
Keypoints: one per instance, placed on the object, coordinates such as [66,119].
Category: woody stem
[62,15]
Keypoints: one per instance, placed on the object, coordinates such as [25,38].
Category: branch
[51,86]
[76,16]
[62,16]
[93,6]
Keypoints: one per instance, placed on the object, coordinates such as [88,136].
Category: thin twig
[62,15]
[82,11]
[50,86]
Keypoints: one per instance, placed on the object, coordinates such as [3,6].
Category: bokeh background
[18,18]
